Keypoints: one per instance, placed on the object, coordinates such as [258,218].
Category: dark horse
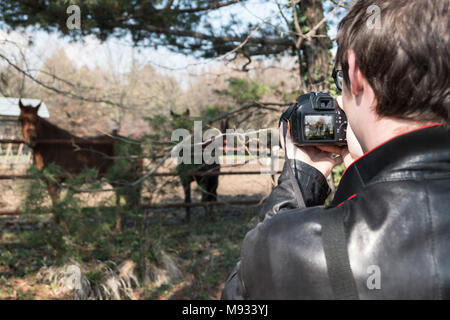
[51,145]
[206,175]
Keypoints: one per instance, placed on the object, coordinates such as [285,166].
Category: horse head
[181,120]
[29,121]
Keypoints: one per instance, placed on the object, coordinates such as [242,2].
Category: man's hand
[320,157]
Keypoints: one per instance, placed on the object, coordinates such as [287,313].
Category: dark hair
[406,59]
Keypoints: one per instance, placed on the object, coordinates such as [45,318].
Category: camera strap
[336,254]
[334,241]
[297,191]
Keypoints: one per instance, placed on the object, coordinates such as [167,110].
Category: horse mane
[49,130]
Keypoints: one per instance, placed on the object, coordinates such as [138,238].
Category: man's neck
[385,129]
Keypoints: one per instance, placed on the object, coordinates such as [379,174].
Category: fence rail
[160,174]
[81,141]
[60,141]
[16,212]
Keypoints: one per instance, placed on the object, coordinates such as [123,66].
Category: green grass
[205,251]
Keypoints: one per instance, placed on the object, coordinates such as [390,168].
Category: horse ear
[37,107]
[224,125]
[187,112]
[20,104]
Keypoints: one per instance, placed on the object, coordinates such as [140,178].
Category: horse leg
[214,184]
[53,192]
[209,184]
[187,200]
[205,199]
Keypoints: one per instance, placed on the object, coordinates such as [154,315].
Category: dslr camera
[316,119]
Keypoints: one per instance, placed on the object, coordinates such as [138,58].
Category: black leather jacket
[396,206]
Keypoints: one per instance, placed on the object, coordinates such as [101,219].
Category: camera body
[316,119]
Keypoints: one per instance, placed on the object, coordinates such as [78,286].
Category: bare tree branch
[214,5]
[56,90]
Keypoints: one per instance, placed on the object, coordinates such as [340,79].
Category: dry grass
[101,281]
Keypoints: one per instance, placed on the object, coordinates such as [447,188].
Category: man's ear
[21,106]
[354,73]
[37,107]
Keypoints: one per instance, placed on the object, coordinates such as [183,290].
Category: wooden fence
[11,156]
[156,174]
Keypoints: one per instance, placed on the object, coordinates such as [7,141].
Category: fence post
[8,152]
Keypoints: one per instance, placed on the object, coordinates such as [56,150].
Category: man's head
[398,68]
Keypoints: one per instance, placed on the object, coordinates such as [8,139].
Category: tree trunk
[315,52]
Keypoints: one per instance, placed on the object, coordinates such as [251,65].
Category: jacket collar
[402,156]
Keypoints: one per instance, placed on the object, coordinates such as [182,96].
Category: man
[386,234]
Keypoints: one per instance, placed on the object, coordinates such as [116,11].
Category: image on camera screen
[319,127]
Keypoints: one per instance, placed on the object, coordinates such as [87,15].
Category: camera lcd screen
[319,127]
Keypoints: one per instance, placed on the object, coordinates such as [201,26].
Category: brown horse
[96,152]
